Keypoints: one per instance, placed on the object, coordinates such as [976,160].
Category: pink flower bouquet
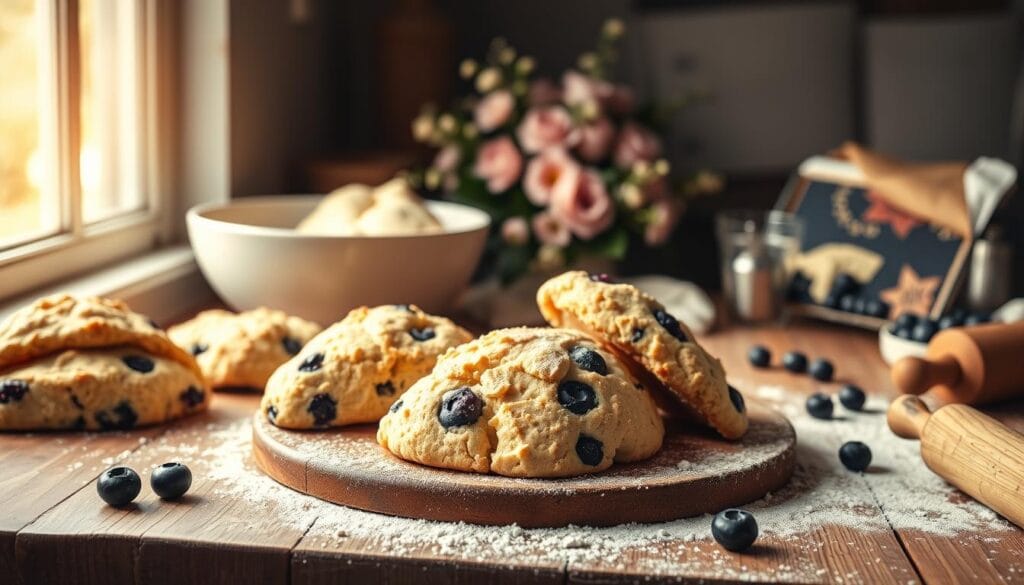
[565,170]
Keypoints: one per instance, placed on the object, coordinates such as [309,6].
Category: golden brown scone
[112,388]
[638,328]
[355,369]
[242,350]
[58,322]
[525,402]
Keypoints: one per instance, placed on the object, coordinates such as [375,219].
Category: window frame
[78,248]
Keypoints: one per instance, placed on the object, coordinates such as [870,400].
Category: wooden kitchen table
[55,529]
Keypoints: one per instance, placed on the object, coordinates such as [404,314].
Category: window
[79,150]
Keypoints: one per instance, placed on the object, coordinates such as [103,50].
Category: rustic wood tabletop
[896,523]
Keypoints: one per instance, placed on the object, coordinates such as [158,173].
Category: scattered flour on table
[820,493]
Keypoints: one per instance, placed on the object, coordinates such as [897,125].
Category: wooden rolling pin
[973,451]
[970,365]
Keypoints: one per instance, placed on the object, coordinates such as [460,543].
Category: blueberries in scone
[737,400]
[119,486]
[291,345]
[794,361]
[199,348]
[422,334]
[78,424]
[77,402]
[272,414]
[139,363]
[638,334]
[460,407]
[602,277]
[192,396]
[385,389]
[589,450]
[395,406]
[312,363]
[323,408]
[670,324]
[12,390]
[120,418]
[577,397]
[589,360]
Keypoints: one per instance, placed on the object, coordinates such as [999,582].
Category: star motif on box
[912,294]
[881,212]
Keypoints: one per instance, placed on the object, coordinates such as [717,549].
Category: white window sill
[165,284]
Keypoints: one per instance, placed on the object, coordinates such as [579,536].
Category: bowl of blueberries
[909,334]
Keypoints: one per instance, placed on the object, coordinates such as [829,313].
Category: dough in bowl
[391,209]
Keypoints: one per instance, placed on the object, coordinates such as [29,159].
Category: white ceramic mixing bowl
[251,255]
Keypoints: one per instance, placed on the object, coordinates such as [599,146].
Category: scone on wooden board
[355,369]
[391,209]
[525,402]
[654,343]
[242,350]
[91,364]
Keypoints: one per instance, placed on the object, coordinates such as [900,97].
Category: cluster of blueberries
[854,455]
[922,329]
[845,295]
[118,486]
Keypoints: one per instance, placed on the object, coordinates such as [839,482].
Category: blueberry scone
[650,340]
[91,363]
[525,402]
[242,350]
[355,369]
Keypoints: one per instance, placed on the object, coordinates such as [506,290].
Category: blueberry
[577,397]
[78,424]
[821,369]
[737,400]
[272,414]
[903,332]
[119,486]
[589,360]
[385,389]
[906,320]
[12,390]
[460,407]
[198,348]
[120,418]
[923,331]
[139,363]
[976,319]
[734,529]
[638,334]
[860,305]
[948,322]
[589,450]
[170,481]
[799,288]
[847,302]
[312,363]
[602,277]
[291,345]
[856,456]
[759,356]
[192,396]
[670,324]
[323,408]
[394,407]
[819,406]
[852,397]
[422,334]
[877,308]
[78,403]
[795,362]
[831,301]
[844,284]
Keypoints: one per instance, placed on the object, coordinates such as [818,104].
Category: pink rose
[543,172]
[579,89]
[635,144]
[447,159]
[595,139]
[550,231]
[515,231]
[665,214]
[494,110]
[545,127]
[499,163]
[580,201]
[544,92]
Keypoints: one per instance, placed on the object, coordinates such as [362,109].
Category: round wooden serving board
[694,473]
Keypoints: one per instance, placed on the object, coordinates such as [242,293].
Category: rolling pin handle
[914,375]
[907,416]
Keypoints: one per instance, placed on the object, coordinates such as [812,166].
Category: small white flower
[468,68]
[488,80]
